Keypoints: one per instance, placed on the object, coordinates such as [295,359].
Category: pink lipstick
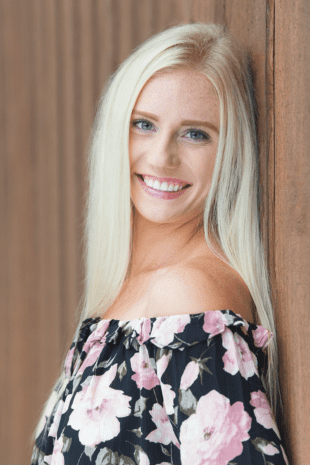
[165,195]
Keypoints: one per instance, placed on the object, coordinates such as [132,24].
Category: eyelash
[205,136]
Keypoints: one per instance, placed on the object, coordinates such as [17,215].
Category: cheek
[134,148]
[132,152]
[204,169]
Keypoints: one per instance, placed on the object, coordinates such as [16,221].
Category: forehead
[186,89]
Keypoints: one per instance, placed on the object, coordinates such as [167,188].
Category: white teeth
[161,187]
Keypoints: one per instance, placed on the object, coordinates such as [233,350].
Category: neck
[160,245]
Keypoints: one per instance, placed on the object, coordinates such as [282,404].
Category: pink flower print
[96,410]
[145,375]
[238,356]
[144,334]
[98,335]
[162,364]
[142,458]
[66,404]
[263,412]
[167,391]
[142,326]
[91,357]
[267,448]
[164,433]
[260,336]
[190,374]
[164,328]
[93,346]
[57,456]
[68,362]
[56,421]
[214,323]
[214,434]
[245,326]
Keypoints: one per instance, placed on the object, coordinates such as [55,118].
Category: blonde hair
[231,211]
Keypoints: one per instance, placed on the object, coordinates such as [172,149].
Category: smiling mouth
[142,178]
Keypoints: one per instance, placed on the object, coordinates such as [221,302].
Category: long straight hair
[231,210]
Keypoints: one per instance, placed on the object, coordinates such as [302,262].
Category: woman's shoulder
[201,283]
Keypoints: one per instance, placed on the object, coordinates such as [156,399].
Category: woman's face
[174,132]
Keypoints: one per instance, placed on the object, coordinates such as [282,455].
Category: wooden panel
[47,201]
[142,20]
[123,29]
[54,59]
[170,13]
[4,239]
[103,45]
[67,154]
[69,147]
[292,216]
[25,365]
[246,20]
[45,334]
[251,24]
[214,11]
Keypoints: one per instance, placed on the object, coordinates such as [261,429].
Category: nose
[163,154]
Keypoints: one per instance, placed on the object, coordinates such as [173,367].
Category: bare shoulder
[199,286]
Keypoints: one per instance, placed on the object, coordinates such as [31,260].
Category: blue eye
[143,122]
[201,135]
[145,125]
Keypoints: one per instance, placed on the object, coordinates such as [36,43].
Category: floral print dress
[180,389]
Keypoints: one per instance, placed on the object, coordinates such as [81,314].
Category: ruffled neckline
[167,332]
[163,330]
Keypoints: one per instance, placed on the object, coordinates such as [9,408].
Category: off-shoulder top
[180,389]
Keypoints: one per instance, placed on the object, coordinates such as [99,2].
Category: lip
[166,179]
[165,195]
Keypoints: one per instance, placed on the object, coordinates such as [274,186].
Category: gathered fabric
[179,389]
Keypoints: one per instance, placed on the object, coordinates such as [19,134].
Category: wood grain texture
[55,57]
[67,152]
[292,216]
[247,22]
[46,330]
[213,11]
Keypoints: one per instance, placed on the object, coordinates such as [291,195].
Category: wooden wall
[55,57]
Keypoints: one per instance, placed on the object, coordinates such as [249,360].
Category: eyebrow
[187,122]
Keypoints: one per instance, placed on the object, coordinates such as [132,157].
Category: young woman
[168,362]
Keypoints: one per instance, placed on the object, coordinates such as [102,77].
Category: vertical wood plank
[45,332]
[104,47]
[141,17]
[171,13]
[47,201]
[25,365]
[69,209]
[252,24]
[267,172]
[292,216]
[19,246]
[54,58]
[4,239]
[246,21]
[203,11]
[122,30]
[85,79]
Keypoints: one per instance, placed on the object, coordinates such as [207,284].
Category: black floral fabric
[180,389]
